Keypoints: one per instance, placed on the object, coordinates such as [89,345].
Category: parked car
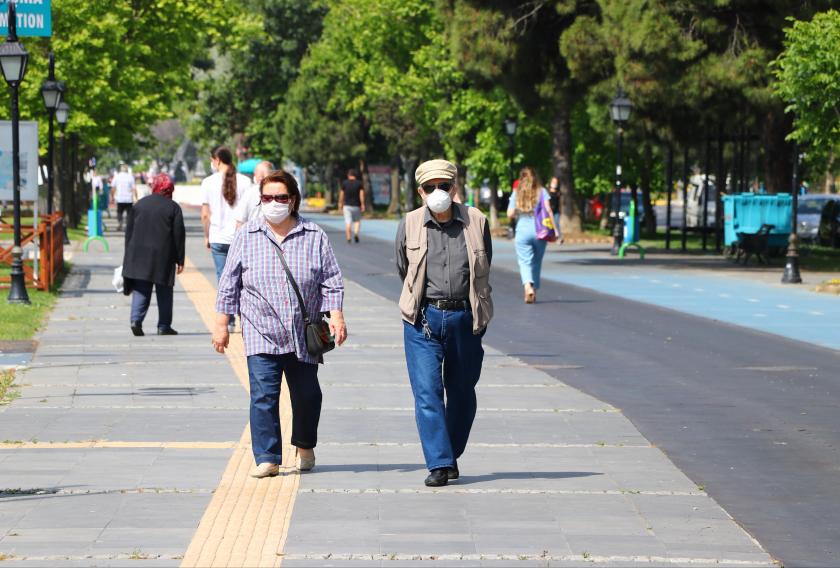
[808,214]
[829,232]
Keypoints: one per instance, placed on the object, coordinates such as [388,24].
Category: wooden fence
[50,238]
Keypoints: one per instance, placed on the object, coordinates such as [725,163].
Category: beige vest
[416,247]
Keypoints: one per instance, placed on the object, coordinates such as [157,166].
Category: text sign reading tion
[34,18]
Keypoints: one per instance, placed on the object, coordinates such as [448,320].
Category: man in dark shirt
[351,200]
[443,257]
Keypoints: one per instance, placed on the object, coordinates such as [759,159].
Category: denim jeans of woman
[529,250]
[445,357]
[265,373]
[219,252]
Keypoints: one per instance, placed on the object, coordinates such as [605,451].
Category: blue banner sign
[34,18]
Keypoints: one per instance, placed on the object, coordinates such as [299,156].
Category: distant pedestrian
[443,257]
[351,200]
[124,193]
[154,253]
[554,203]
[529,249]
[249,206]
[221,192]
[254,284]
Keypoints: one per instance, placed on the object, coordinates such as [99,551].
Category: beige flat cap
[435,169]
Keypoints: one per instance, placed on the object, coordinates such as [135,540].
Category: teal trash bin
[94,227]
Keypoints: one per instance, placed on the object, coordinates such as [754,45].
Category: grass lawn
[8,389]
[20,321]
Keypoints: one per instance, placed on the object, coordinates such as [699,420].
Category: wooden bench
[757,244]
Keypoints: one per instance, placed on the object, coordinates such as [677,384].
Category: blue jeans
[141,299]
[529,250]
[265,373]
[220,252]
[447,358]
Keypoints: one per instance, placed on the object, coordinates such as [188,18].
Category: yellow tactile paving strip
[247,520]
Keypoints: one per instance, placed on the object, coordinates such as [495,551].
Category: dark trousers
[121,209]
[265,373]
[443,356]
[141,298]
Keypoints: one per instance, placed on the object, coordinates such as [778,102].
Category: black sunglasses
[430,187]
[280,198]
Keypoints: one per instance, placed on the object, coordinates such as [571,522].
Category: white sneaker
[305,463]
[265,470]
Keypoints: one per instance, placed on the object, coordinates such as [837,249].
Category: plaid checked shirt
[255,286]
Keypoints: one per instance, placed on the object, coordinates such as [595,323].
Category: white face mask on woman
[275,212]
[439,201]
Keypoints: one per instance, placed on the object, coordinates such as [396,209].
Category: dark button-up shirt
[447,263]
[254,285]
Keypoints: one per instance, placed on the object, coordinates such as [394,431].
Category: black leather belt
[450,305]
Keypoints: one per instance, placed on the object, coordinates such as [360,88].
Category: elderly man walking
[443,257]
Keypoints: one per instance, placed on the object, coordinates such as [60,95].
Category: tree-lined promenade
[333,84]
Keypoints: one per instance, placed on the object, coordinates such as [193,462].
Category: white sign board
[28,161]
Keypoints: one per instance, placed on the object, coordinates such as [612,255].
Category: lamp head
[510,126]
[62,113]
[13,57]
[620,107]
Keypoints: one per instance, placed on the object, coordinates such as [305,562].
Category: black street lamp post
[510,130]
[791,274]
[13,60]
[52,91]
[620,108]
[62,114]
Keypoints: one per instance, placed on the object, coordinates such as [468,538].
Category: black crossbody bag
[317,333]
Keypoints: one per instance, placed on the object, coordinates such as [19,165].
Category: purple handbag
[543,221]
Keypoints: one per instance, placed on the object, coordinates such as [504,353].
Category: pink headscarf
[162,185]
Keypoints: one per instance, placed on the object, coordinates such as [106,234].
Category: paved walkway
[127,448]
[707,287]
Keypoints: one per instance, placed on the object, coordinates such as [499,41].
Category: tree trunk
[778,165]
[326,179]
[650,215]
[828,183]
[365,173]
[461,184]
[570,219]
[394,204]
[494,206]
[410,185]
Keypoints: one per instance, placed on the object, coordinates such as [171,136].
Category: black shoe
[438,477]
[356,238]
[453,472]
[137,329]
[166,331]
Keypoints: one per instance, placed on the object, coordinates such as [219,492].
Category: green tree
[807,78]
[517,45]
[125,63]
[245,81]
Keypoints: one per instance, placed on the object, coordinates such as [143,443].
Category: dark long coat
[154,241]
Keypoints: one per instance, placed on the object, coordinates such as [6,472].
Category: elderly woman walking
[255,284]
[154,252]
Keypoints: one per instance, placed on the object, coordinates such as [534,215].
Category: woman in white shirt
[221,192]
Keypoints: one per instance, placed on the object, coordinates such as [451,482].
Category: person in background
[221,191]
[443,255]
[529,249]
[249,206]
[554,202]
[124,193]
[351,200]
[154,253]
[255,285]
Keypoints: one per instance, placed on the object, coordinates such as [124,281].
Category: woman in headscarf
[154,253]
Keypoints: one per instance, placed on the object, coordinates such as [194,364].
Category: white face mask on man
[275,212]
[439,201]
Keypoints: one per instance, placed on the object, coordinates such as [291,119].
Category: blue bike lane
[793,312]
